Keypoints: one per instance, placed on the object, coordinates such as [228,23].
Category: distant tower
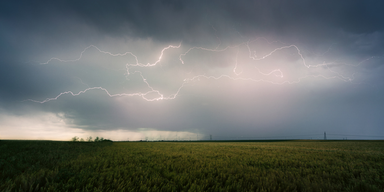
[325,135]
[210,136]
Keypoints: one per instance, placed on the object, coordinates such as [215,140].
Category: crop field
[192,166]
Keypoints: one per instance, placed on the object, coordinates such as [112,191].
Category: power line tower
[325,135]
[210,137]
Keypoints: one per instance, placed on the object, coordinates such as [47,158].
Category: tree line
[89,139]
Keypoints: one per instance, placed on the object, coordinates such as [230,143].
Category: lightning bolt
[278,73]
[140,94]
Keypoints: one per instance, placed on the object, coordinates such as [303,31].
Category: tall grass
[161,166]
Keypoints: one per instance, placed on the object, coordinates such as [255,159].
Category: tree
[97,139]
[89,139]
[75,139]
[81,140]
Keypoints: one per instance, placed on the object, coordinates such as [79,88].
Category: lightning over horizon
[274,72]
[227,68]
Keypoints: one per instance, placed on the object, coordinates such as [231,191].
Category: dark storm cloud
[334,31]
[183,19]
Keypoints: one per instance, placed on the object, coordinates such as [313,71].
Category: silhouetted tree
[75,139]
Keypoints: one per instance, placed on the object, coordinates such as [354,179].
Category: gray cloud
[345,36]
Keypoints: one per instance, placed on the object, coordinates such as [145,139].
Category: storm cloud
[233,69]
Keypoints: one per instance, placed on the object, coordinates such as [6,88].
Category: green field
[192,166]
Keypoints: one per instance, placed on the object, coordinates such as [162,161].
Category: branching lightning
[237,71]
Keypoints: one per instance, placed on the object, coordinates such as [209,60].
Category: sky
[185,70]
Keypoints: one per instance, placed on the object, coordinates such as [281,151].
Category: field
[192,166]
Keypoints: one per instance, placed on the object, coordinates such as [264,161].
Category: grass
[192,166]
